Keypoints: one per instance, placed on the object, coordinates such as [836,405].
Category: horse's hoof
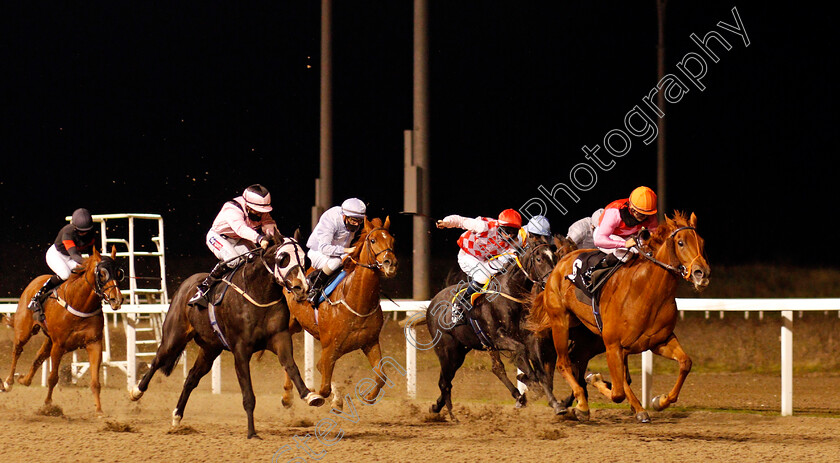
[6,387]
[23,382]
[581,415]
[593,378]
[656,404]
[314,400]
[643,417]
[134,393]
[254,436]
[176,418]
[287,403]
[559,409]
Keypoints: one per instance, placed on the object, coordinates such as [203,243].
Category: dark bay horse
[498,316]
[637,308]
[74,319]
[351,317]
[252,316]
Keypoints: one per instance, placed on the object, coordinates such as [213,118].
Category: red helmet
[510,218]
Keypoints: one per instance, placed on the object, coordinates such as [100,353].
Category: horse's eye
[373,241]
[539,259]
[680,243]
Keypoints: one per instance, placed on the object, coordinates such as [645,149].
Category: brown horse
[638,312]
[74,319]
[351,318]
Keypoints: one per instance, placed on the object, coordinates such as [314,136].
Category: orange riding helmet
[510,218]
[643,199]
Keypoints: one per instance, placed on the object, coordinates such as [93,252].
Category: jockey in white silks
[243,224]
[481,245]
[330,242]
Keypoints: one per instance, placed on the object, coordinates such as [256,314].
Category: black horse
[499,317]
[255,319]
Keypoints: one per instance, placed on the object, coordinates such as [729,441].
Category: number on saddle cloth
[335,279]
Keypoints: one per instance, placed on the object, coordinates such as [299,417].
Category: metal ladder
[148,327]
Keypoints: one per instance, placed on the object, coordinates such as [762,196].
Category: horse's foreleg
[326,365]
[374,354]
[242,360]
[43,354]
[202,365]
[284,350]
[451,360]
[56,352]
[499,370]
[94,351]
[672,350]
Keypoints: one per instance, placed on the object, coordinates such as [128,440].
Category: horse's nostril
[698,273]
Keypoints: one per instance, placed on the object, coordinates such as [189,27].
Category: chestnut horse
[351,318]
[638,312]
[74,319]
[252,316]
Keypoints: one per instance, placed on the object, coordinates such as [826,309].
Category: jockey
[330,242]
[581,231]
[482,243]
[64,255]
[243,224]
[621,220]
[538,226]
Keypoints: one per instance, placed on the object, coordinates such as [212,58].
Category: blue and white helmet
[353,207]
[538,225]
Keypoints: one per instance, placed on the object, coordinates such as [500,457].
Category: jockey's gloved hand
[349,250]
[263,241]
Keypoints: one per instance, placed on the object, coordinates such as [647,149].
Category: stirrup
[198,299]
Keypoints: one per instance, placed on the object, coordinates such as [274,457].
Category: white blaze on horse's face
[288,268]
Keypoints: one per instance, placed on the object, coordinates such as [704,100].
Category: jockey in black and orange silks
[64,255]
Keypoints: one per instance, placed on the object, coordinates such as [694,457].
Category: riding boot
[317,281]
[608,261]
[199,299]
[36,305]
[466,298]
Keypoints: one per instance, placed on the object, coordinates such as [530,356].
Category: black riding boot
[608,261]
[200,297]
[36,305]
[317,281]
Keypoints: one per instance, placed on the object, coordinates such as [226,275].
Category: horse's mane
[83,268]
[665,229]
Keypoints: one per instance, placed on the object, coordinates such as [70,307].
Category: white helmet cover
[353,207]
[257,198]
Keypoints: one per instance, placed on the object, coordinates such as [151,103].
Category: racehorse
[74,319]
[252,316]
[497,314]
[351,317]
[638,311]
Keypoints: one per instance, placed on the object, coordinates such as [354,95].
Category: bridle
[532,265]
[376,265]
[681,270]
[297,255]
[99,287]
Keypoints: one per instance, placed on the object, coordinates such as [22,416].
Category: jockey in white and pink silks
[243,224]
[481,245]
[330,242]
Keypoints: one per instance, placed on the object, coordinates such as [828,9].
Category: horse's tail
[8,319]
[537,321]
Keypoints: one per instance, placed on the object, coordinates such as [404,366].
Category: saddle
[458,317]
[332,283]
[590,295]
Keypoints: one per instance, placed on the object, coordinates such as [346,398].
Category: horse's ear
[297,235]
[558,240]
[387,224]
[693,220]
[95,253]
[113,252]
[368,226]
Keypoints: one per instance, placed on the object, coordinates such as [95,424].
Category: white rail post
[216,375]
[411,363]
[308,359]
[787,362]
[130,349]
[647,378]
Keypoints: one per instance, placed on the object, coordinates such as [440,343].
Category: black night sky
[174,109]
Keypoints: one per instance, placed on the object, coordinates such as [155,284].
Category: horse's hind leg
[672,350]
[172,345]
[284,349]
[56,353]
[203,364]
[43,354]
[23,332]
[94,351]
[499,370]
